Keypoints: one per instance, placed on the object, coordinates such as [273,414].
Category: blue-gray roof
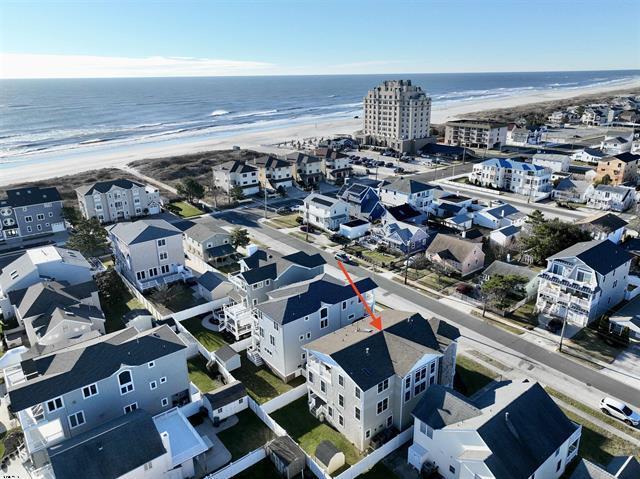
[210,280]
[514,165]
[602,256]
[110,450]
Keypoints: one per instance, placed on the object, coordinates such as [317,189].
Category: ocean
[47,116]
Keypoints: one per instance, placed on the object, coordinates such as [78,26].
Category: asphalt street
[249,218]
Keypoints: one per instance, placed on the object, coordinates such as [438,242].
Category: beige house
[475,133]
[335,165]
[273,172]
[397,114]
[620,169]
[307,169]
[461,255]
[207,240]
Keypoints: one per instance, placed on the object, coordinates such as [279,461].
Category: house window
[340,380]
[55,404]
[340,400]
[357,413]
[324,323]
[324,312]
[323,387]
[367,434]
[357,392]
[164,402]
[382,406]
[452,469]
[383,386]
[163,379]
[344,305]
[164,269]
[148,466]
[389,421]
[330,411]
[126,382]
[153,385]
[559,465]
[90,390]
[341,419]
[40,217]
[272,340]
[76,419]
[130,407]
[151,364]
[28,219]
[407,395]
[162,242]
[310,376]
[163,256]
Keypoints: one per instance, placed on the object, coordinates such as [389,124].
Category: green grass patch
[199,375]
[300,424]
[378,257]
[286,221]
[249,434]
[590,344]
[598,445]
[228,268]
[184,209]
[263,470]
[472,375]
[209,339]
[596,413]
[262,385]
[174,298]
[113,313]
[525,314]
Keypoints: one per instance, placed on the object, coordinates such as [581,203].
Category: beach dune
[37,167]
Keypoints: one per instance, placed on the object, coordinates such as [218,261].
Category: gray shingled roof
[204,228]
[143,230]
[110,450]
[407,186]
[42,297]
[268,265]
[287,450]
[225,395]
[88,362]
[405,338]
[607,222]
[603,255]
[458,248]
[31,195]
[443,406]
[325,451]
[105,186]
[235,167]
[303,299]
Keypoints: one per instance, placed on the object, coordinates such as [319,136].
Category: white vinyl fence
[281,401]
[376,456]
[245,462]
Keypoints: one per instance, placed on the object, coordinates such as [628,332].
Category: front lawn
[199,375]
[287,221]
[598,445]
[307,431]
[209,339]
[587,342]
[184,209]
[377,257]
[262,385]
[471,375]
[249,434]
[525,314]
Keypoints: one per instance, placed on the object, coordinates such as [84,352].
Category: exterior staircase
[255,357]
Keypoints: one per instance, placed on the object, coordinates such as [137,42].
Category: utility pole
[564,323]
[265,203]
[406,265]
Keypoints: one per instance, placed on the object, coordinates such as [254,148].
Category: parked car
[399,169]
[554,325]
[344,258]
[619,410]
[389,164]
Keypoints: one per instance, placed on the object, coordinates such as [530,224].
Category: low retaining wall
[281,401]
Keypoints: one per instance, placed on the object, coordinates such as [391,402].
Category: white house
[605,226]
[354,229]
[516,176]
[494,217]
[325,212]
[615,143]
[584,281]
[608,197]
[552,161]
[407,191]
[506,236]
[589,155]
[510,431]
[236,174]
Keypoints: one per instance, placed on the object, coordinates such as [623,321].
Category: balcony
[237,282]
[181,275]
[41,434]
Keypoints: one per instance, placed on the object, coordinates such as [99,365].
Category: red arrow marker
[376,321]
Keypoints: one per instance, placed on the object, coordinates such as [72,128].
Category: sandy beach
[38,167]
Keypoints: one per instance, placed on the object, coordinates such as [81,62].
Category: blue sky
[159,38]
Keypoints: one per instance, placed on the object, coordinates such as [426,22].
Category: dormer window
[583,276]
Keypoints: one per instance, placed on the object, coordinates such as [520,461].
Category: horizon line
[321,74]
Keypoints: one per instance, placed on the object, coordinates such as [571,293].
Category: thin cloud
[13,65]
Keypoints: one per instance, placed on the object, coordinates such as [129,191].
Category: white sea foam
[218,113]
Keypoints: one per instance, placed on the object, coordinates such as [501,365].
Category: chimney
[464,233]
[366,351]
[502,213]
